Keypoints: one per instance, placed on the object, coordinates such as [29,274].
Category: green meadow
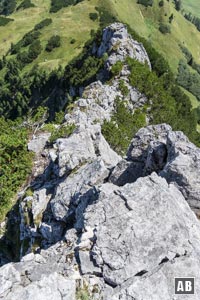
[70,23]
[192,6]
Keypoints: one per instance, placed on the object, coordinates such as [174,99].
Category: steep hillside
[72,24]
[192,6]
[146,20]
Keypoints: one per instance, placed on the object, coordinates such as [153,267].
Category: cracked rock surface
[139,232]
[102,227]
[134,240]
[170,154]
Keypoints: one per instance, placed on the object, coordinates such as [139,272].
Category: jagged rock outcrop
[183,167]
[97,102]
[72,157]
[170,154]
[103,227]
[147,153]
[68,192]
[83,146]
[133,236]
[118,44]
[38,276]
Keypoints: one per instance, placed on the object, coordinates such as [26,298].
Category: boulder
[84,146]
[147,153]
[68,192]
[38,142]
[52,287]
[149,146]
[87,265]
[118,44]
[74,151]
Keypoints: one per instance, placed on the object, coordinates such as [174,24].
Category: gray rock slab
[87,265]
[141,226]
[38,143]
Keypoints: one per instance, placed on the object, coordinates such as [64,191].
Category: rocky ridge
[104,226]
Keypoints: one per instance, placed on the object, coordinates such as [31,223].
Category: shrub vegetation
[43,24]
[15,162]
[53,42]
[4,21]
[122,127]
[145,2]
[7,7]
[164,28]
[56,5]
[25,4]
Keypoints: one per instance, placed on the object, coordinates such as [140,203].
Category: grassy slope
[195,103]
[72,22]
[192,6]
[146,22]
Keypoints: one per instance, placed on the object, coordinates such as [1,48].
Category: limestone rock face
[150,140]
[38,143]
[159,284]
[171,155]
[84,146]
[98,100]
[183,167]
[68,192]
[39,203]
[37,277]
[126,172]
[119,44]
[147,153]
[134,240]
[138,232]
[75,150]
